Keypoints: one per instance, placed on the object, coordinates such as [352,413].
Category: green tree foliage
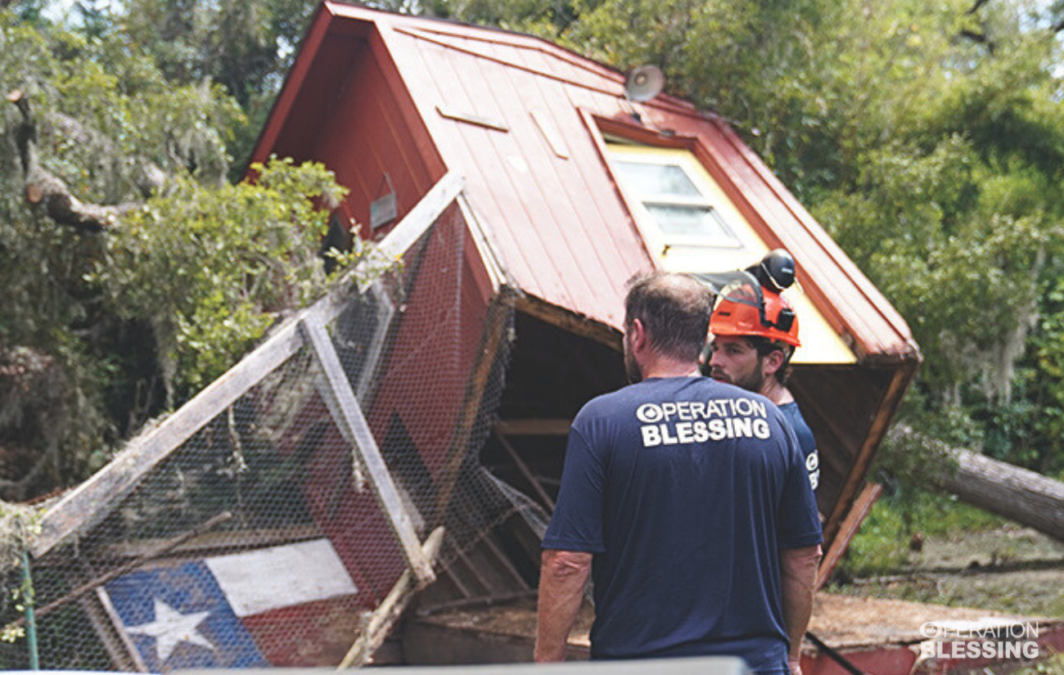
[210,269]
[103,327]
[246,47]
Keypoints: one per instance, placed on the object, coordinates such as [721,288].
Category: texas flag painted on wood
[292,605]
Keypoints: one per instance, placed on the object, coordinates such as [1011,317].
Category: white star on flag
[171,628]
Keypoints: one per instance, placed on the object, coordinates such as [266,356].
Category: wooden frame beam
[389,611]
[861,508]
[880,424]
[340,399]
[490,340]
[525,471]
[570,321]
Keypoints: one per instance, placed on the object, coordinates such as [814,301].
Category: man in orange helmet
[754,332]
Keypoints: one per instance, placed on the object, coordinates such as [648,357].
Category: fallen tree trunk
[1007,490]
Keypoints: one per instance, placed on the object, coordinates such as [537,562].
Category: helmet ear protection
[775,271]
[749,302]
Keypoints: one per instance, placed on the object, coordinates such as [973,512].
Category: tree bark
[1007,490]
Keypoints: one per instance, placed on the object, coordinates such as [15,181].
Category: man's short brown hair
[674,309]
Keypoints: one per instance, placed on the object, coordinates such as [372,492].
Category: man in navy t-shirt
[689,503]
[751,347]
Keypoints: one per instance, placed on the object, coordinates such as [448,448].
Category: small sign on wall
[383,211]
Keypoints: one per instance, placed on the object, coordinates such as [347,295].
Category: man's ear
[638,333]
[772,362]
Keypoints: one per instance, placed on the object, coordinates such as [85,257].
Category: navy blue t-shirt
[685,489]
[806,441]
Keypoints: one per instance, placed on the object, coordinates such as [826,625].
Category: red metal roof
[516,116]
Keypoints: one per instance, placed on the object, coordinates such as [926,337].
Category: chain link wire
[283,547]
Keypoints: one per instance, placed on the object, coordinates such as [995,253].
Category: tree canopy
[134,271]
[926,137]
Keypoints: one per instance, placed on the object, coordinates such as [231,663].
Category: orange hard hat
[748,309]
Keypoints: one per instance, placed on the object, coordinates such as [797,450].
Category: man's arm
[798,566]
[562,577]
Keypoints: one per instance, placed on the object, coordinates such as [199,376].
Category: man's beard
[752,381]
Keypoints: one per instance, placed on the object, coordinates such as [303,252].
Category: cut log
[1007,490]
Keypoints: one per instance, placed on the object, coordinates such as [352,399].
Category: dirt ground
[1011,569]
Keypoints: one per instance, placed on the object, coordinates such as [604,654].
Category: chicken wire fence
[268,535]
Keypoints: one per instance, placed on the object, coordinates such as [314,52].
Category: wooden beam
[534,427]
[340,399]
[525,471]
[489,253]
[389,611]
[479,601]
[490,340]
[570,321]
[129,649]
[474,570]
[505,561]
[462,588]
[109,628]
[861,507]
[880,424]
[92,501]
[213,543]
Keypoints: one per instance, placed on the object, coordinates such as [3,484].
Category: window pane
[692,221]
[657,179]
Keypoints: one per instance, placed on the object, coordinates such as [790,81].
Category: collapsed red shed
[559,167]
[521,190]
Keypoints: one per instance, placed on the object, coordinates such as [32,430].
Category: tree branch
[48,191]
[975,8]
[981,38]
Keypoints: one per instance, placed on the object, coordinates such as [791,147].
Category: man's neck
[775,392]
[670,368]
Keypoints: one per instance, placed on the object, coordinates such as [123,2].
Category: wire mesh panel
[267,537]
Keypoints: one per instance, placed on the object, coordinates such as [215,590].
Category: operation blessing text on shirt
[672,423]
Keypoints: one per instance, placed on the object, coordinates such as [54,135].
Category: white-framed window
[681,211]
[690,224]
[677,208]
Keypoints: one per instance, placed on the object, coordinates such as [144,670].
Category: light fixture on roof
[643,83]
